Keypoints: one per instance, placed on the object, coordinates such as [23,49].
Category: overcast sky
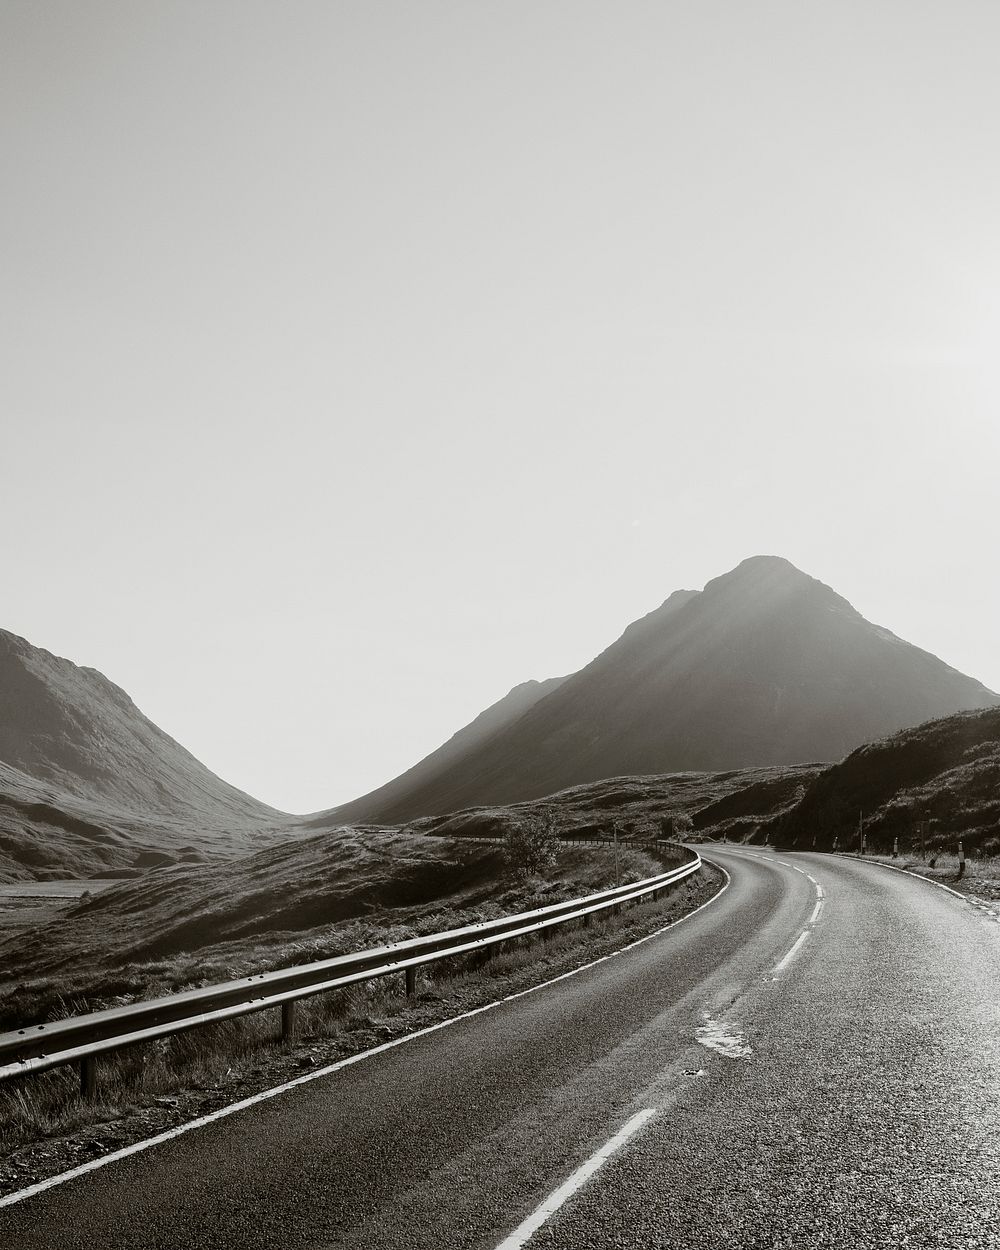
[363,360]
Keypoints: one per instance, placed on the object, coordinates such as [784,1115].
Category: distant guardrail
[83,1039]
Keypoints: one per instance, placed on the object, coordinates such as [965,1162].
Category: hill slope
[89,786]
[452,754]
[74,729]
[765,666]
[946,772]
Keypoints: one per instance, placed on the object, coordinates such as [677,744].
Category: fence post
[287,1020]
[88,1076]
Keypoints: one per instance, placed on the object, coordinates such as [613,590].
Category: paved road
[844,1093]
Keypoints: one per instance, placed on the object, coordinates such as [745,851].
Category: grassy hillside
[348,888]
[323,896]
[48,834]
[945,771]
[733,803]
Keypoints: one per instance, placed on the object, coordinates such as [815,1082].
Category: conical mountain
[765,666]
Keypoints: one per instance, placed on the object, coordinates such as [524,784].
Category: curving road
[811,1060]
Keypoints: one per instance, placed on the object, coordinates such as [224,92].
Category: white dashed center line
[524,1232]
[783,963]
[817,910]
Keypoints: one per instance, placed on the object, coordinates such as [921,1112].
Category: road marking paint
[796,947]
[722,1039]
[93,1164]
[820,897]
[817,910]
[525,1231]
[906,872]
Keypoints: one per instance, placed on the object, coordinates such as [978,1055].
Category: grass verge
[981,879]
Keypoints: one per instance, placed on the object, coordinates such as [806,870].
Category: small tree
[677,825]
[530,843]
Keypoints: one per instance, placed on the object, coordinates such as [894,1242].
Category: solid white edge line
[526,1230]
[916,876]
[92,1165]
[787,959]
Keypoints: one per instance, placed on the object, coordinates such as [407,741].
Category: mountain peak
[773,584]
[765,666]
[768,569]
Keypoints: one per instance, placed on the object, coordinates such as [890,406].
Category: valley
[761,712]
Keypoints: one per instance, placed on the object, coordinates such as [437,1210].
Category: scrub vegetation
[928,787]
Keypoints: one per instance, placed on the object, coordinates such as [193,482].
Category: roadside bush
[530,844]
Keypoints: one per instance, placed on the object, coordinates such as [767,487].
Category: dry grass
[944,774]
[981,877]
[313,900]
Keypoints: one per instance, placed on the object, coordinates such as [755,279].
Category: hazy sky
[363,360]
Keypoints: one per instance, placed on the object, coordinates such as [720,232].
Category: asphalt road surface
[811,1060]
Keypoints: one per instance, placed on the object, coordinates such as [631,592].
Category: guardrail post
[961,859]
[411,982]
[287,1020]
[895,848]
[88,1076]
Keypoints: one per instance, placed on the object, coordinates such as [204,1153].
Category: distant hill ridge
[765,666]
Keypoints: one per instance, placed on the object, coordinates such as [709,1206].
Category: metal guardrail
[82,1039]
